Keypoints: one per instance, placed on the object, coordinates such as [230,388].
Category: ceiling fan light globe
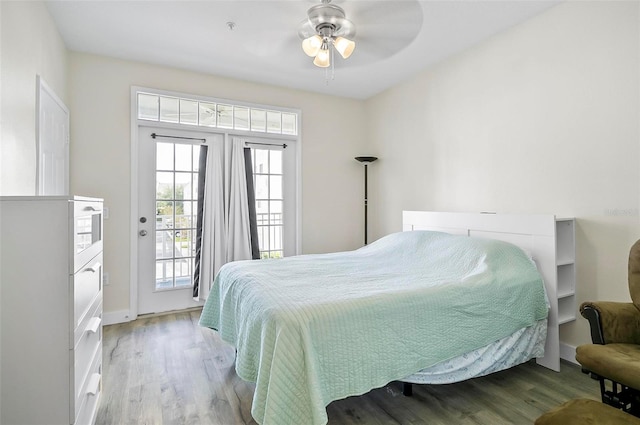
[344,46]
[323,59]
[312,45]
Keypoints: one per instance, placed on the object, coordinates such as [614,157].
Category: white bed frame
[535,234]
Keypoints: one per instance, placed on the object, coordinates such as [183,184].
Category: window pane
[262,212]
[275,212]
[275,162]
[179,210]
[263,237]
[183,185]
[262,187]
[258,120]
[194,221]
[183,244]
[276,238]
[184,156]
[241,118]
[188,214]
[208,114]
[188,111]
[183,272]
[275,187]
[164,244]
[289,124]
[164,156]
[164,185]
[225,116]
[273,122]
[168,109]
[196,158]
[261,162]
[164,274]
[164,215]
[195,187]
[183,221]
[148,107]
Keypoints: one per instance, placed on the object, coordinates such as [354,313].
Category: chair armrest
[612,322]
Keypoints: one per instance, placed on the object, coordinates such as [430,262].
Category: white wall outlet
[105,212]
[105,279]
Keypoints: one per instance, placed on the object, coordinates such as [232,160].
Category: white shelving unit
[566,269]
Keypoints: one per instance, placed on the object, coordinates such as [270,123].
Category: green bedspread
[316,328]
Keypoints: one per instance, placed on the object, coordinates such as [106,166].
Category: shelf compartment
[565,241]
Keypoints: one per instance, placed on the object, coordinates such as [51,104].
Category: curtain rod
[284,145]
[154,135]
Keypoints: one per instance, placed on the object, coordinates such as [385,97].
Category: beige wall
[543,118]
[30,46]
[100,153]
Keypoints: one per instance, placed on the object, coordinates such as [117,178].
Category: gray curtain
[251,197]
[202,172]
[224,231]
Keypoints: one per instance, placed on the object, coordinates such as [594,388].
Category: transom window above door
[171,109]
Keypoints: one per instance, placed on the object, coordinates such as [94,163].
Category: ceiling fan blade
[382,28]
[387,14]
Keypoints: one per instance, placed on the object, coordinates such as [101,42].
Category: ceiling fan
[385,27]
[327,27]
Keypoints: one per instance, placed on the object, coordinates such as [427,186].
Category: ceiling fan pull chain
[333,69]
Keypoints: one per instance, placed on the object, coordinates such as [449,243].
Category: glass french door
[274,180]
[267,178]
[167,209]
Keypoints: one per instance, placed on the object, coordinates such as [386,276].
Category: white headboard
[534,233]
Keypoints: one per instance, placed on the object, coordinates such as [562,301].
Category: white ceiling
[394,40]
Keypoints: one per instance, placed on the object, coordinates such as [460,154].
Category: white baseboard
[568,353]
[113,317]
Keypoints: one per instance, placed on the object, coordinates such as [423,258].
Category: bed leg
[407,389]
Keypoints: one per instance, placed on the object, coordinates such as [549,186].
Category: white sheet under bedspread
[517,348]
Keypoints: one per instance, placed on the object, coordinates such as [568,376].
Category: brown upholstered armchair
[614,356]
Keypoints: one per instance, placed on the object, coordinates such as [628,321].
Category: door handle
[142,233]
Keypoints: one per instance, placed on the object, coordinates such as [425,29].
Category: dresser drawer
[89,337]
[87,284]
[86,402]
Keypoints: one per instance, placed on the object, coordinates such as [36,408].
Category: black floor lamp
[366,160]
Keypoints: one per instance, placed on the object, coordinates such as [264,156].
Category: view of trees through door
[176,209]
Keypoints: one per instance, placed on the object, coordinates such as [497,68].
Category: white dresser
[50,309]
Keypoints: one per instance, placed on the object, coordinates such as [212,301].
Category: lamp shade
[344,46]
[323,59]
[312,45]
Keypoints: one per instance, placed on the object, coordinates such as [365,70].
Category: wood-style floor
[168,370]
